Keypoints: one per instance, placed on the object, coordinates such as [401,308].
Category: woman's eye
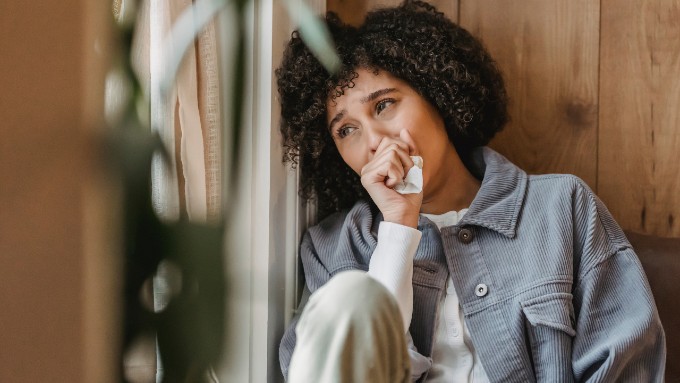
[380,106]
[345,131]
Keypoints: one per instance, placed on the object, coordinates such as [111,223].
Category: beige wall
[53,297]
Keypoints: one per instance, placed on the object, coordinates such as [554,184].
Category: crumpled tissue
[413,182]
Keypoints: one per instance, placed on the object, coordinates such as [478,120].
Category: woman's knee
[354,294]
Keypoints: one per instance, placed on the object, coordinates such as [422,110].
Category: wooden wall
[59,259]
[595,91]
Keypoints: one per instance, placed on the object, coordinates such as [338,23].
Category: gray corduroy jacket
[551,289]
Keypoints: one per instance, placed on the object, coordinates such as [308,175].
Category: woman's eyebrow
[377,94]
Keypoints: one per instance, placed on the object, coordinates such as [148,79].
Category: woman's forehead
[361,87]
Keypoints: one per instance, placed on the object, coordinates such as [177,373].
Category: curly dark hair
[415,43]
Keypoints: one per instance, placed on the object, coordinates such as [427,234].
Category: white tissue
[413,182]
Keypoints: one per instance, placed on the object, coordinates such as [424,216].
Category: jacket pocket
[550,331]
[553,311]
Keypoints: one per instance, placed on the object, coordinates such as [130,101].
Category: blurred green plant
[190,329]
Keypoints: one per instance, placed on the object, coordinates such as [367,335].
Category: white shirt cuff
[392,264]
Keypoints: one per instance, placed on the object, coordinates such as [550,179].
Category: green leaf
[314,33]
[183,33]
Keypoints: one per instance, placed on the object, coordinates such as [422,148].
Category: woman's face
[379,107]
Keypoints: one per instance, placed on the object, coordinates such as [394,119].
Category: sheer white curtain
[191,115]
[187,119]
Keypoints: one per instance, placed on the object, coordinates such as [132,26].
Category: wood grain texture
[548,52]
[354,11]
[639,138]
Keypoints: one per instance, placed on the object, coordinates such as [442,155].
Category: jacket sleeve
[619,337]
[619,334]
[316,275]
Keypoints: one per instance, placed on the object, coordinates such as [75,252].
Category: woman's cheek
[354,161]
[360,162]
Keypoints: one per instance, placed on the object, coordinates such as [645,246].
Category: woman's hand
[386,170]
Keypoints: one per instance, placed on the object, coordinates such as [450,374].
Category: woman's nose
[375,134]
[373,142]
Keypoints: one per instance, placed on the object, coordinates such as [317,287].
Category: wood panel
[548,52]
[58,259]
[354,11]
[639,150]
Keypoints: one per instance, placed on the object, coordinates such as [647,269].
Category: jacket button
[481,290]
[465,235]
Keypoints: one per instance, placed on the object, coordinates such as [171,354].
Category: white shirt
[453,355]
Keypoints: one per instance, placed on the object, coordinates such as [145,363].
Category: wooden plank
[350,11]
[354,11]
[548,52]
[639,139]
[59,216]
[449,7]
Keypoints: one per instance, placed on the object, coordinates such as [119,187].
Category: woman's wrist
[410,220]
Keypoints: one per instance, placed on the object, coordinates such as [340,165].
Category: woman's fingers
[389,147]
[405,136]
[387,142]
[395,174]
[388,170]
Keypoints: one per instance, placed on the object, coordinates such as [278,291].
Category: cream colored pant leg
[350,331]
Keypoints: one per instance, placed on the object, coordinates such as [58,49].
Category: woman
[483,274]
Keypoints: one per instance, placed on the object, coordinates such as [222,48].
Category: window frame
[264,278]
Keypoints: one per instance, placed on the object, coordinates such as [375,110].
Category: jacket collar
[501,195]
